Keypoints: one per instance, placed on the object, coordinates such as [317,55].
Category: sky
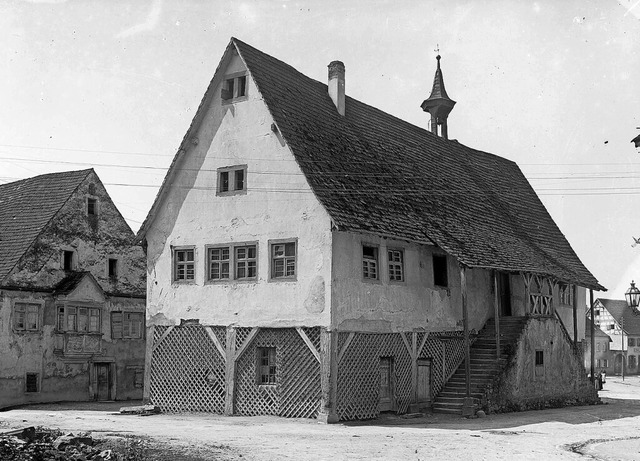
[553,86]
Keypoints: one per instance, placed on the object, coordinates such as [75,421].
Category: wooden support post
[593,338]
[328,376]
[230,371]
[575,317]
[496,303]
[468,406]
[414,365]
[148,358]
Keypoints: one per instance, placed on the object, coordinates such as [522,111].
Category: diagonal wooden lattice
[358,389]
[446,355]
[187,370]
[297,390]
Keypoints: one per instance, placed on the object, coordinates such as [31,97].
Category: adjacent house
[309,255]
[603,355]
[72,293]
[622,325]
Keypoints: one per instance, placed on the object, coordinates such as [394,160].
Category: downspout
[593,338]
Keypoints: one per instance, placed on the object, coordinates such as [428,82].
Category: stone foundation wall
[544,371]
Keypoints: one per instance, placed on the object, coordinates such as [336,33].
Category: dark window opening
[242,86]
[440,275]
[539,358]
[68,260]
[92,189]
[113,268]
[266,365]
[224,181]
[239,185]
[32,382]
[227,89]
[235,87]
[92,206]
[369,262]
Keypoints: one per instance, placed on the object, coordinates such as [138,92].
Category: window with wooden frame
[440,271]
[369,262]
[184,265]
[246,262]
[539,363]
[632,342]
[127,325]
[26,316]
[565,292]
[266,366]
[232,180]
[396,265]
[234,87]
[32,382]
[283,259]
[78,319]
[219,263]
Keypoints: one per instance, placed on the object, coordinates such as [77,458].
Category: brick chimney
[336,85]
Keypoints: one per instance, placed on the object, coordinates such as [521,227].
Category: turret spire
[438,104]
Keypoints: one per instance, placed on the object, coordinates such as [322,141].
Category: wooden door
[103,381]
[386,402]
[424,381]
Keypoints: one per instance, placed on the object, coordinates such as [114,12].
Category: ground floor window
[266,365]
[31,382]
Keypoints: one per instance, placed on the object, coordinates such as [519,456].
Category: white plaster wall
[415,304]
[278,204]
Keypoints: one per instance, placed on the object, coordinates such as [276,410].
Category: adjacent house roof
[619,309]
[378,174]
[26,206]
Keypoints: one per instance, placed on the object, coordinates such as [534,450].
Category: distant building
[312,256]
[72,296]
[603,357]
[614,317]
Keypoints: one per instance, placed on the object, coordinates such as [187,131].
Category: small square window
[113,268]
[440,273]
[632,342]
[396,265]
[31,382]
[232,180]
[184,265]
[92,206]
[246,262]
[283,260]
[234,87]
[369,262]
[597,312]
[266,365]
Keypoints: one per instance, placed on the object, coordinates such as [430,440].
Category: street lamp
[632,297]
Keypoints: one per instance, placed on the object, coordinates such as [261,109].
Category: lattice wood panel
[187,370]
[359,374]
[452,349]
[297,390]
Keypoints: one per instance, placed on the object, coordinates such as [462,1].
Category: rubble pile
[48,444]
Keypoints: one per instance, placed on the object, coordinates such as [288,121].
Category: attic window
[67,260]
[232,180]
[92,206]
[113,268]
[234,87]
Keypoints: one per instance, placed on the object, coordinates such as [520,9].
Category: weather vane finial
[437,50]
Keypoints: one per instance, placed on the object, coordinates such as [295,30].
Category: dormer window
[234,87]
[232,180]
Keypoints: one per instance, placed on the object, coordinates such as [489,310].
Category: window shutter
[116,325]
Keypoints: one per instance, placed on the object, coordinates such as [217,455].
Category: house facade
[311,256]
[603,355]
[72,293]
[622,325]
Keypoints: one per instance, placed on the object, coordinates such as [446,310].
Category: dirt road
[609,431]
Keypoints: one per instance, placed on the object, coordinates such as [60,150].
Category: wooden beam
[216,341]
[593,338]
[496,303]
[309,344]
[575,316]
[164,335]
[148,360]
[252,334]
[407,345]
[414,366]
[230,371]
[328,376]
[465,322]
[345,346]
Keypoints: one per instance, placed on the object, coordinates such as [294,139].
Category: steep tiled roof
[26,206]
[619,309]
[378,174]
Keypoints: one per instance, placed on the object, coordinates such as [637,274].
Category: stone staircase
[485,366]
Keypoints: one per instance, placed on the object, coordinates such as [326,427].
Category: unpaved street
[607,432]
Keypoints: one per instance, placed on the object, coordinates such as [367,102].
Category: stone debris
[48,444]
[142,410]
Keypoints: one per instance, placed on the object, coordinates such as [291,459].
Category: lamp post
[632,296]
